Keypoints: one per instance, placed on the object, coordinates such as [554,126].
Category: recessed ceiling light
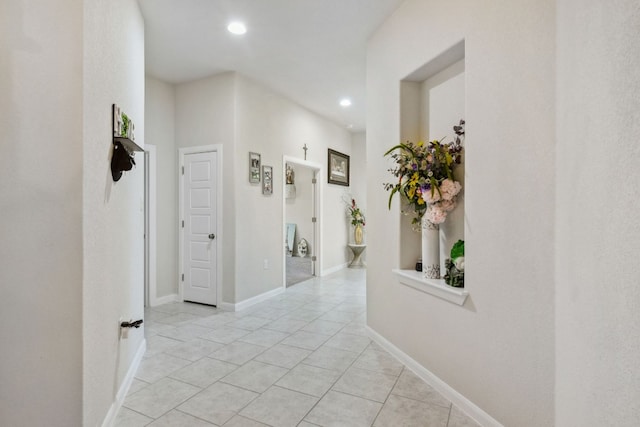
[237,28]
[345,102]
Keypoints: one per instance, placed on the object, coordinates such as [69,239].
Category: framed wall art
[254,168]
[267,180]
[338,168]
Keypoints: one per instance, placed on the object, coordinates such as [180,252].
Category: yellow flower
[420,201]
[420,143]
[411,192]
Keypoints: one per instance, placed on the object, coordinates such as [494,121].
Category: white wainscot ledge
[436,287]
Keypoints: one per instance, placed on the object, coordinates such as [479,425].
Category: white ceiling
[311,51]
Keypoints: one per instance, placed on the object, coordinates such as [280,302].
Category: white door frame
[150,211]
[317,244]
[219,200]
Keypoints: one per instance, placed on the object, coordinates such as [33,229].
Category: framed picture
[117,121]
[267,180]
[338,168]
[254,168]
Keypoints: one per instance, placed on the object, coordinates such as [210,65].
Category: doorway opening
[301,220]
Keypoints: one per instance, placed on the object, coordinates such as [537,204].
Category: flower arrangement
[357,217]
[425,176]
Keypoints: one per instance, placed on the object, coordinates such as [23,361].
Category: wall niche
[432,101]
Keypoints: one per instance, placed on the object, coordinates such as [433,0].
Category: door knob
[212,236]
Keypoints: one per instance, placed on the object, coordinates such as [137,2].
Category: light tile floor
[302,358]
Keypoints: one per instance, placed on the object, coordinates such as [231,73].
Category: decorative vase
[358,234]
[430,249]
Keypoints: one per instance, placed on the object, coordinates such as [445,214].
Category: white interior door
[200,219]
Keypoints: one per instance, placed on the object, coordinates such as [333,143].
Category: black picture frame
[338,168]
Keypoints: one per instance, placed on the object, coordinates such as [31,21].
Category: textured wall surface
[41,211]
[160,131]
[598,298]
[113,213]
[498,349]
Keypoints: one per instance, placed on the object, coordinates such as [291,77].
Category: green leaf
[394,191]
[434,187]
[400,147]
[457,250]
[396,147]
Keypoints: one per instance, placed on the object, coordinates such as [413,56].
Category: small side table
[357,253]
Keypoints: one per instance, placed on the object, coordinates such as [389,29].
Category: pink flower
[449,189]
[431,196]
[447,205]
[435,214]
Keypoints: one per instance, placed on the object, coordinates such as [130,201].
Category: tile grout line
[289,370]
[302,362]
[334,382]
[389,394]
[194,416]
[315,298]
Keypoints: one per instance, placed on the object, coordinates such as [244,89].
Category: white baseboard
[464,404]
[331,270]
[227,306]
[164,300]
[124,387]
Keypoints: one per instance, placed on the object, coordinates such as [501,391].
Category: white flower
[459,263]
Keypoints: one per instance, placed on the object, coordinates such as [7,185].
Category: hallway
[302,358]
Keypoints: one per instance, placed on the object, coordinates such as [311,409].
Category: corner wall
[272,125]
[597,275]
[41,207]
[502,340]
[113,213]
[160,101]
[243,116]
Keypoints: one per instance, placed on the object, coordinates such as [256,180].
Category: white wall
[41,208]
[113,213]
[502,340]
[271,125]
[597,293]
[72,248]
[299,209]
[160,113]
